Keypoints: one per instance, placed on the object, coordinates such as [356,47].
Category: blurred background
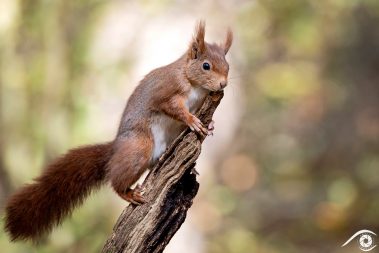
[293,165]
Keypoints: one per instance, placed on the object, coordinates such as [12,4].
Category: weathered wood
[170,188]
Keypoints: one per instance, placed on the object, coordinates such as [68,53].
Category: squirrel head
[206,63]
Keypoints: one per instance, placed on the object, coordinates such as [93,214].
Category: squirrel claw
[211,127]
[198,126]
[138,200]
[135,196]
[194,171]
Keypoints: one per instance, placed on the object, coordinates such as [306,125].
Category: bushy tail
[36,208]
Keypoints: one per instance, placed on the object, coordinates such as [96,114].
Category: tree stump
[169,188]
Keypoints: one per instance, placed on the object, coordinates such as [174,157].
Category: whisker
[235,77]
[233,89]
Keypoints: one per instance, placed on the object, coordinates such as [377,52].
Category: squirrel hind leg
[130,160]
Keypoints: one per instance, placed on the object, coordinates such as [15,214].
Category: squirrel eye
[206,66]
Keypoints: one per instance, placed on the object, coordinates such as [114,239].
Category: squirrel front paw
[196,125]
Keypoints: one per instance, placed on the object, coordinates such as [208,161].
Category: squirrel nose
[223,84]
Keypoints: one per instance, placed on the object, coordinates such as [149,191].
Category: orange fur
[160,107]
[123,171]
[37,207]
[228,40]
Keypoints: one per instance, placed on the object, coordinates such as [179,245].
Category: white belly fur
[165,129]
[161,128]
[195,98]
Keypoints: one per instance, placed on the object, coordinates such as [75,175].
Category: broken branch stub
[169,188]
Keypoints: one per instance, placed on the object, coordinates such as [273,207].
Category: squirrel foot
[135,196]
[211,128]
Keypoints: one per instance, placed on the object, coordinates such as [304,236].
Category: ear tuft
[197,46]
[228,41]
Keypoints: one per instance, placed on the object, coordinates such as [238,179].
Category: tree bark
[169,188]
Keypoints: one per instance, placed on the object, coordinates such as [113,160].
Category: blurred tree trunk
[170,188]
[4,178]
[4,181]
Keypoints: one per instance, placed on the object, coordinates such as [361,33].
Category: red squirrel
[161,106]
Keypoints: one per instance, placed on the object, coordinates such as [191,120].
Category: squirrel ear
[197,46]
[228,40]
